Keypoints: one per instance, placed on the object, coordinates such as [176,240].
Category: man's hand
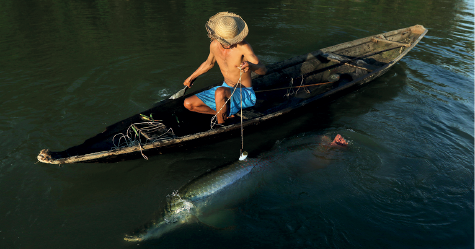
[188,82]
[257,68]
[244,66]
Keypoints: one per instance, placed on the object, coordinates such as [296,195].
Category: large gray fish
[189,201]
[206,193]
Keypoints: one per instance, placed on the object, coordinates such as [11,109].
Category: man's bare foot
[225,118]
[339,140]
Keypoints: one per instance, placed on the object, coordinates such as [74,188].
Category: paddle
[179,93]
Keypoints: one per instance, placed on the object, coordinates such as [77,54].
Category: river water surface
[70,68]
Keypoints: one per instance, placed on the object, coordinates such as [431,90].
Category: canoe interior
[352,61]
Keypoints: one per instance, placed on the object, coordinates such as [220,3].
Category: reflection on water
[68,69]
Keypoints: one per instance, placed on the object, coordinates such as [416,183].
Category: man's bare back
[234,56]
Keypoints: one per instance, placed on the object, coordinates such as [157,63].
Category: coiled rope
[152,132]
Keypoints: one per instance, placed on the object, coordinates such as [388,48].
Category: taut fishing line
[243,154]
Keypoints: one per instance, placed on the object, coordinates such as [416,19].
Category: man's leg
[222,95]
[195,104]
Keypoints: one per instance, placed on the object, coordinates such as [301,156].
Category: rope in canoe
[149,132]
[291,87]
[335,65]
[301,86]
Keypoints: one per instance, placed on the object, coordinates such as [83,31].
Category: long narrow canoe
[287,86]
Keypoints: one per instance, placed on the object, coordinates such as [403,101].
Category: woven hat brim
[211,27]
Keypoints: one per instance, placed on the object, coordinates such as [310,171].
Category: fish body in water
[187,203]
[212,189]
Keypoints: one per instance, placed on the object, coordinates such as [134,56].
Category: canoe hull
[357,62]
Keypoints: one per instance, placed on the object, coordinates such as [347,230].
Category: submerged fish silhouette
[195,198]
[188,202]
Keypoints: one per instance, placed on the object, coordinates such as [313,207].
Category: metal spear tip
[179,93]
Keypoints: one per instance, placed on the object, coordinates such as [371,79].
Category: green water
[70,68]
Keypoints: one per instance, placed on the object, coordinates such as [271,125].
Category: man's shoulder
[245,46]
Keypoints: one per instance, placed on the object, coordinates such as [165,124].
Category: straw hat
[228,28]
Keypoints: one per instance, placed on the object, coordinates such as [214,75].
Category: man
[235,59]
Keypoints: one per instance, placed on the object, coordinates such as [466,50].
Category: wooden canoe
[299,81]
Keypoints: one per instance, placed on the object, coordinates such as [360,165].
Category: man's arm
[205,67]
[251,62]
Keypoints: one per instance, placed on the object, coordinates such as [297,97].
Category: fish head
[178,206]
[177,213]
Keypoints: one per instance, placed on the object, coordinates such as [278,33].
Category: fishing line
[304,86]
[213,119]
[243,154]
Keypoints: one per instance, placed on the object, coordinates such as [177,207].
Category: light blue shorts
[248,98]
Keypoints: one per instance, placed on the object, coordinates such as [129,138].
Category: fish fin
[222,219]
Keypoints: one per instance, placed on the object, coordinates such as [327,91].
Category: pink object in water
[339,140]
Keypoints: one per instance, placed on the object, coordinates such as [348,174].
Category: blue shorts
[248,98]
